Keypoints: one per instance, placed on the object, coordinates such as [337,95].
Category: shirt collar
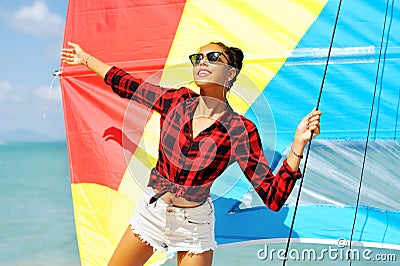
[222,122]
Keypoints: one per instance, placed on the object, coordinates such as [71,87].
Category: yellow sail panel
[138,171]
[100,214]
[265,30]
[102,217]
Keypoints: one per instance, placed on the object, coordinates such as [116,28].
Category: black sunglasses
[212,57]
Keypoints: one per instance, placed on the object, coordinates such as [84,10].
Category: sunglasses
[212,57]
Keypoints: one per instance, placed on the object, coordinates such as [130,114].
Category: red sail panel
[136,35]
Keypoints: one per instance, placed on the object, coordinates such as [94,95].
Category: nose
[204,61]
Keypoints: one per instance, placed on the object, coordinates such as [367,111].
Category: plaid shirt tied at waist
[187,165]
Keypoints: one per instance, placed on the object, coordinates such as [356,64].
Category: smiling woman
[221,65]
[200,137]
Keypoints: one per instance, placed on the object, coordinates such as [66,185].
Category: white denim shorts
[172,229]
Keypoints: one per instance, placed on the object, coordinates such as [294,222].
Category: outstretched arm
[274,189]
[75,56]
[154,97]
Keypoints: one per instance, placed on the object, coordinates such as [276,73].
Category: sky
[31,35]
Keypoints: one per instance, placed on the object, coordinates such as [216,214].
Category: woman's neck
[210,106]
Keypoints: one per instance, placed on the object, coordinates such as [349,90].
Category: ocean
[37,222]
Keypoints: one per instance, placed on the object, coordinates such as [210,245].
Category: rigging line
[56,73]
[397,117]
[369,130]
[383,72]
[309,144]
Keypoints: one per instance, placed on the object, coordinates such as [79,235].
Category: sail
[112,142]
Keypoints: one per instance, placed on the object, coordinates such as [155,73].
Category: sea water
[37,222]
[36,214]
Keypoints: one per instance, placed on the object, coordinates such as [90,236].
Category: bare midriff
[173,200]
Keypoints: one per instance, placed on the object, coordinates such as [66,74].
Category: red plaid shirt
[187,166]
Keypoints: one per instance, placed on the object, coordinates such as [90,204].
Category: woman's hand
[309,124]
[74,56]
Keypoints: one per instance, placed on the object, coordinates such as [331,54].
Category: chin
[201,82]
[205,82]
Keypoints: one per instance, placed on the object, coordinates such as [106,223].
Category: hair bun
[236,56]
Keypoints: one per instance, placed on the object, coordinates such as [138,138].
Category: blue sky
[31,34]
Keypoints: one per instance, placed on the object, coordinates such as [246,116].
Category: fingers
[72,50]
[314,122]
[67,54]
[74,46]
[68,50]
[314,119]
[315,127]
[69,61]
[71,56]
[314,113]
[314,116]
[68,57]
[309,127]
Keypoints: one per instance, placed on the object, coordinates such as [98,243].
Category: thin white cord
[56,73]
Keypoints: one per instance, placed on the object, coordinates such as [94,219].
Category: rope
[309,144]
[397,117]
[369,129]
[382,72]
[56,73]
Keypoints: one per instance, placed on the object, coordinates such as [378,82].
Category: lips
[203,72]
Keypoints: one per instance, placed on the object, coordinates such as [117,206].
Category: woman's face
[208,74]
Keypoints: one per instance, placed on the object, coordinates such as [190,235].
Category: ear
[232,73]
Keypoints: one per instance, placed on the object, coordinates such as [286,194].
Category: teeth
[203,73]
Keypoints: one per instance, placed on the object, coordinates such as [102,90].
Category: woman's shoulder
[243,121]
[240,125]
[186,92]
[178,94]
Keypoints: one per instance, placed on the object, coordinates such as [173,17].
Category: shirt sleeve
[273,189]
[155,97]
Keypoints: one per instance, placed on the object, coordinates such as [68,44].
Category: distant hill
[24,135]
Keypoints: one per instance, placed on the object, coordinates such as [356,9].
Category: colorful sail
[112,142]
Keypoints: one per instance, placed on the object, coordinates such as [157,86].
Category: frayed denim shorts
[172,229]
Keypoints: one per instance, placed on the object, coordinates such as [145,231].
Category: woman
[200,137]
